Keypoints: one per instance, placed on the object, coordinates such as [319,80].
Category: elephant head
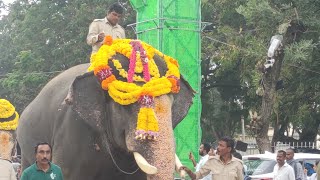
[116,124]
[8,124]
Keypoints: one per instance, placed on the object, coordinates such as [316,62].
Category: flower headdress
[8,116]
[141,61]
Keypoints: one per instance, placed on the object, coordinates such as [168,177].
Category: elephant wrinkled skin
[92,136]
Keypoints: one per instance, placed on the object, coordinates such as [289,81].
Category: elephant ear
[182,102]
[88,100]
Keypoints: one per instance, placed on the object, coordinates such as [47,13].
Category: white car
[260,166]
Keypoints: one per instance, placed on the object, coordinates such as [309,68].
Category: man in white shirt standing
[282,170]
[203,152]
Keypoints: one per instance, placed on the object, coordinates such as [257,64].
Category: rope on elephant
[142,69]
[113,159]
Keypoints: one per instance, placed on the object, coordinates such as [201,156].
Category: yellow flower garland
[7,110]
[126,93]
[10,125]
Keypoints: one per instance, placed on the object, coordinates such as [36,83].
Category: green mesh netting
[173,27]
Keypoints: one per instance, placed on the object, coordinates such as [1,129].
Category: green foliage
[238,44]
[259,14]
[300,52]
[41,38]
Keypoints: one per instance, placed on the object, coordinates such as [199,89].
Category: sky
[6,2]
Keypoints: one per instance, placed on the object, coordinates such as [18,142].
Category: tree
[241,35]
[42,38]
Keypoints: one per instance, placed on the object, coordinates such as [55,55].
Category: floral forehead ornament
[143,69]
[8,116]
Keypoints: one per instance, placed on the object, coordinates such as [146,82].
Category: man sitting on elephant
[42,168]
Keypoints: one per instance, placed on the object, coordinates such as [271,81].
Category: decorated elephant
[9,119]
[110,119]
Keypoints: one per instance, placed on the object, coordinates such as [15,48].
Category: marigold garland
[10,125]
[107,40]
[7,111]
[141,61]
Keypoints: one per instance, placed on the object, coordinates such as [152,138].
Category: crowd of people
[287,168]
[226,163]
[222,163]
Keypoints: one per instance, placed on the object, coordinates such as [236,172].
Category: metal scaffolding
[173,27]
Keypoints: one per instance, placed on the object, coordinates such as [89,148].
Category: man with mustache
[223,166]
[42,168]
[282,170]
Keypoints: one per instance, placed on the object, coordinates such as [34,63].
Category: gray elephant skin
[92,136]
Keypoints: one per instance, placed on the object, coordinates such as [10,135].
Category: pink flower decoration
[146,101]
[104,73]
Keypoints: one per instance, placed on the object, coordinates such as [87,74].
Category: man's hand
[101,37]
[211,152]
[185,169]
[188,171]
[191,157]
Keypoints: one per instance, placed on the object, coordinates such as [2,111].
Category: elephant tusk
[178,165]
[144,165]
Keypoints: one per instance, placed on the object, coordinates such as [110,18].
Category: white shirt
[201,162]
[312,177]
[285,172]
[6,170]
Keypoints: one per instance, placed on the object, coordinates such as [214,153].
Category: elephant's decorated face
[8,124]
[143,86]
[124,89]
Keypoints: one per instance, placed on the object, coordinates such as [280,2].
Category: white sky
[8,1]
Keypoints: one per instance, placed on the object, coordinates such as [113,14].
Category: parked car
[260,166]
[307,150]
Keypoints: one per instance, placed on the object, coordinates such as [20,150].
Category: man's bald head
[289,154]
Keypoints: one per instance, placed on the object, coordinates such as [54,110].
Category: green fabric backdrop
[173,27]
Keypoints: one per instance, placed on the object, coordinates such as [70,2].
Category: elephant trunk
[7,144]
[163,153]
[160,152]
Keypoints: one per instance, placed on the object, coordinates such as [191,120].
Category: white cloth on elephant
[6,170]
[201,162]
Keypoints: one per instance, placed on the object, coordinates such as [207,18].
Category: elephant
[9,119]
[92,136]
